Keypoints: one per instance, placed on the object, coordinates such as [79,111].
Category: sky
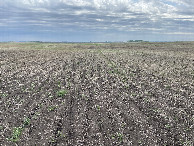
[96,20]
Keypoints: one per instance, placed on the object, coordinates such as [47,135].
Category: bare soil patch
[97,94]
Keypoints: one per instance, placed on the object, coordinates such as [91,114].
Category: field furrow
[97,94]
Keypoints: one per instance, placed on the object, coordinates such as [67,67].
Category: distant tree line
[137,41]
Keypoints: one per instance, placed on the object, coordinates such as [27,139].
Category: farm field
[97,94]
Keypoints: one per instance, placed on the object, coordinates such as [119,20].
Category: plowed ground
[97,94]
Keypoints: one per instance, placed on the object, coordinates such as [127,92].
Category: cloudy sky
[96,20]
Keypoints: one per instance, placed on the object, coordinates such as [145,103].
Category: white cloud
[180,33]
[122,15]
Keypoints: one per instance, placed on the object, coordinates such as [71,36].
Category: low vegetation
[104,94]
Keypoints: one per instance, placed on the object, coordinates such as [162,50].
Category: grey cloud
[99,15]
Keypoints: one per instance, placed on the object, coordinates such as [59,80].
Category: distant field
[97,94]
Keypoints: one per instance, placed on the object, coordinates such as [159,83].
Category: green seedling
[110,72]
[116,71]
[187,143]
[53,140]
[188,129]
[61,93]
[32,86]
[26,121]
[63,103]
[167,126]
[113,137]
[52,108]
[176,119]
[59,84]
[36,115]
[40,105]
[17,131]
[125,79]
[4,95]
[134,94]
[51,97]
[126,86]
[69,85]
[123,124]
[155,110]
[59,133]
[84,97]
[120,137]
[98,107]
[181,141]
[167,87]
[146,100]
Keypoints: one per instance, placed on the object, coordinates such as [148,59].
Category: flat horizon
[96,20]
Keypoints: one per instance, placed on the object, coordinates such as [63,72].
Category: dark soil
[97,94]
